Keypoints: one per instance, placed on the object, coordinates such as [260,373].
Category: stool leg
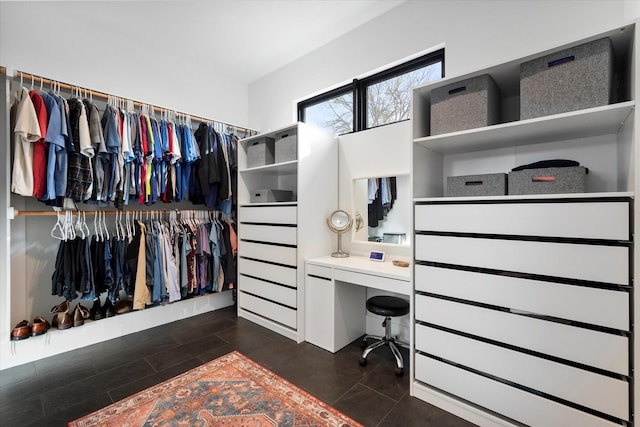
[399,362]
[372,347]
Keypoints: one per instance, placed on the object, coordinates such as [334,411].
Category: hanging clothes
[25,131]
[80,171]
[131,155]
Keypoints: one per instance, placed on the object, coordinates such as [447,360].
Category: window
[377,100]
[332,111]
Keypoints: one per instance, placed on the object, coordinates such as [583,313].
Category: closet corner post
[5,214]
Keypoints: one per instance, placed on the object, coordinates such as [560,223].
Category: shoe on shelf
[40,326]
[80,313]
[123,306]
[62,318]
[21,331]
[108,309]
[96,311]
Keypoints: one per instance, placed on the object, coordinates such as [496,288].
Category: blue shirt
[56,141]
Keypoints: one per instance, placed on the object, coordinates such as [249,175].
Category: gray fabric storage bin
[466,104]
[567,80]
[286,146]
[270,195]
[260,152]
[492,184]
[549,180]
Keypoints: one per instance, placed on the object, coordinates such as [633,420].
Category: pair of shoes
[97,312]
[39,326]
[21,331]
[61,318]
[80,314]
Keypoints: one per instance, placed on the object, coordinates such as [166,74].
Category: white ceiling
[252,37]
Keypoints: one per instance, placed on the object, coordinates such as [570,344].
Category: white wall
[476,34]
[96,45]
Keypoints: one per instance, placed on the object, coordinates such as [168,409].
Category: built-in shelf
[619,194]
[290,203]
[575,124]
[284,168]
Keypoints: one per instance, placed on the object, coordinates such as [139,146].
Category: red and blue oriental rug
[230,391]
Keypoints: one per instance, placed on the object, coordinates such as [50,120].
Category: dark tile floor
[59,389]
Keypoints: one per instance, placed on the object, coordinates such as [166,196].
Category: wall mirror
[383,205]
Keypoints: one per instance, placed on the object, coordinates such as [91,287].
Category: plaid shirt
[79,172]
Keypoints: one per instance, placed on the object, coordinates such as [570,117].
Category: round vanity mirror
[339,222]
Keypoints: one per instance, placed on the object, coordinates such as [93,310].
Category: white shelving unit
[519,298]
[271,250]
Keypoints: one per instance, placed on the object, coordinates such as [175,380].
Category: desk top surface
[363,264]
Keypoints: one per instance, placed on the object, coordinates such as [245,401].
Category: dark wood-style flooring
[61,388]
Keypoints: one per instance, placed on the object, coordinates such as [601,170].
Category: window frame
[359,88]
[326,96]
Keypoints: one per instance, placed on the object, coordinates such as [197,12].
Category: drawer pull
[458,89]
[543,178]
[561,61]
[473,183]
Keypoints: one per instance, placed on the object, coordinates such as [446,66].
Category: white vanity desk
[335,296]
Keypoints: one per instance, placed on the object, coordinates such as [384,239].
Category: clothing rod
[155,212]
[43,80]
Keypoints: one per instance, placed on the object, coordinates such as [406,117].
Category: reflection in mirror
[383,204]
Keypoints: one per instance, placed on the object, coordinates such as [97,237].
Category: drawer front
[583,304]
[318,270]
[266,252]
[271,291]
[269,233]
[267,309]
[601,350]
[609,264]
[268,214]
[599,392]
[525,407]
[271,272]
[591,220]
[372,281]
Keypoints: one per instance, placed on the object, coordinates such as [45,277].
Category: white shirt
[26,132]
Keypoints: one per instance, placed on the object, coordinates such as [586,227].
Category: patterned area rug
[231,391]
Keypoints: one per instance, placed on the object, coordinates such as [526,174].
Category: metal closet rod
[150,212]
[43,80]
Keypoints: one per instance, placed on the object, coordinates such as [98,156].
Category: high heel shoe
[62,318]
[80,313]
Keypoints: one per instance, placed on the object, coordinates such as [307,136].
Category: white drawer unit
[594,348]
[285,235]
[266,252]
[600,392]
[599,263]
[268,214]
[267,271]
[602,307]
[512,402]
[523,307]
[277,293]
[273,312]
[274,238]
[548,219]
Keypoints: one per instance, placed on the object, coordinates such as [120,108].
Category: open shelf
[617,194]
[575,124]
[284,168]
